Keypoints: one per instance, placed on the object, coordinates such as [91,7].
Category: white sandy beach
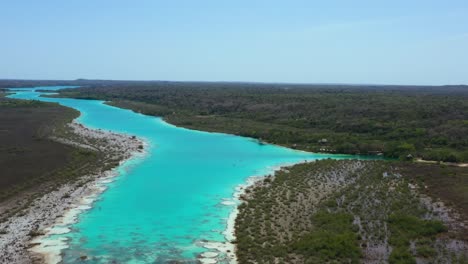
[22,238]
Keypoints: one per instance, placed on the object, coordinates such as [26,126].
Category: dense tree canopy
[429,122]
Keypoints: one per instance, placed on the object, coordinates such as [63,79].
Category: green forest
[395,121]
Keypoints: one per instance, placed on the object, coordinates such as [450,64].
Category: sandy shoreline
[22,236]
[225,252]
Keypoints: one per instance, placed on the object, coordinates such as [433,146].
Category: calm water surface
[163,205]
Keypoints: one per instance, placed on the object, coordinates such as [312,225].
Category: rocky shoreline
[21,234]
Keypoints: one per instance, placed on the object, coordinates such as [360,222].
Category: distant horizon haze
[220,81]
[294,42]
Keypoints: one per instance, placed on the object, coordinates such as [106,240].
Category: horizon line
[233,82]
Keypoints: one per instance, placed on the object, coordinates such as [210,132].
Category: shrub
[401,255]
[333,238]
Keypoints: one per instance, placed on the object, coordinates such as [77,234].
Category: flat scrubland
[36,154]
[428,122]
[353,211]
[27,156]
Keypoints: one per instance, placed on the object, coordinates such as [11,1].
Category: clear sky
[349,41]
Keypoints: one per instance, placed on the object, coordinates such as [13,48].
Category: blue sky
[360,41]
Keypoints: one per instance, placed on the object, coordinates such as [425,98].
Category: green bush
[425,251]
[404,228]
[332,239]
[442,155]
[401,255]
[412,227]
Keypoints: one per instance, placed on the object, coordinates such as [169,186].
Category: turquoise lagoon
[165,203]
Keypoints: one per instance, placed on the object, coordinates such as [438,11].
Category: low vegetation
[446,183]
[333,238]
[26,154]
[344,212]
[32,163]
[405,228]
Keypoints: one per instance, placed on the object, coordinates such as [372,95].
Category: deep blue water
[166,202]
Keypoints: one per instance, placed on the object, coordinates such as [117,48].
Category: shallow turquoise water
[160,207]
